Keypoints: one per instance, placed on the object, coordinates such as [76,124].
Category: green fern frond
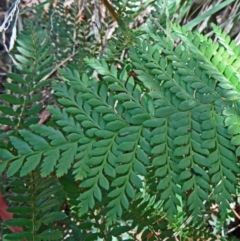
[38,200]
[114,123]
[34,60]
[186,71]
[148,218]
[225,40]
[215,61]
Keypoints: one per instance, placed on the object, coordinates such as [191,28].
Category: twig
[58,66]
[234,228]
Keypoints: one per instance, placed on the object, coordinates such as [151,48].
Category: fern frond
[113,124]
[225,40]
[172,75]
[148,218]
[38,200]
[34,60]
[215,61]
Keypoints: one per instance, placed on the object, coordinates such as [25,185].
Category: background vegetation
[140,139]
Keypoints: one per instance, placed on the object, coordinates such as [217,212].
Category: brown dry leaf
[44,117]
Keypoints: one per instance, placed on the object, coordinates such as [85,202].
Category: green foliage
[21,104]
[37,208]
[71,36]
[144,138]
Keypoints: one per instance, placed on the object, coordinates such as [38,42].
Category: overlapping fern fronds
[34,206]
[155,133]
[170,129]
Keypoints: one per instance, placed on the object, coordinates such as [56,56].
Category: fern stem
[99,226]
[33,205]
